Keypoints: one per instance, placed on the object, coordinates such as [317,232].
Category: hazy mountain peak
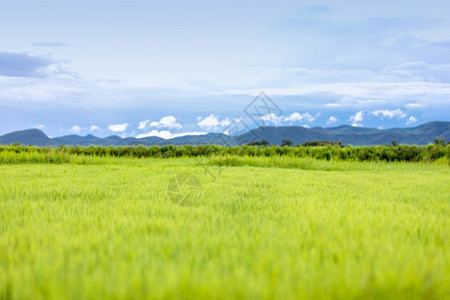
[422,134]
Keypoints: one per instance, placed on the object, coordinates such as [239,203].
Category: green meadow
[257,227]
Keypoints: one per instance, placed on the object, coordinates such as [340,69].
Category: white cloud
[305,126]
[294,117]
[357,118]
[386,113]
[355,102]
[39,126]
[414,105]
[271,118]
[169,122]
[143,124]
[118,127]
[332,120]
[364,93]
[297,117]
[411,120]
[94,127]
[75,129]
[212,123]
[310,118]
[166,134]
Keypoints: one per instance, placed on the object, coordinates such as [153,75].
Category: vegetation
[259,143]
[65,154]
[107,229]
[325,143]
[287,143]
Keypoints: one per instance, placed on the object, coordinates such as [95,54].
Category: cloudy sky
[168,68]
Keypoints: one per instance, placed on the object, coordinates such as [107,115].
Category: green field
[261,228]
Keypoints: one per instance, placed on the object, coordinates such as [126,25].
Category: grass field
[305,229]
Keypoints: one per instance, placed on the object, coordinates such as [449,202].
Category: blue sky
[168,68]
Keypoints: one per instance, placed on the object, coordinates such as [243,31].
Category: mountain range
[420,135]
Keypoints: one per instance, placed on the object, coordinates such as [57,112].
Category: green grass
[291,229]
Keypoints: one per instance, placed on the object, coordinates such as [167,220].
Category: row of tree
[333,151]
[289,143]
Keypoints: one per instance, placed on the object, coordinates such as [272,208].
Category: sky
[170,68]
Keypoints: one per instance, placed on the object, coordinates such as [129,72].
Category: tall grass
[78,154]
[55,157]
[308,163]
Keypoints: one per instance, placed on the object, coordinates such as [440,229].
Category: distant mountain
[349,135]
[420,135]
[27,137]
[207,139]
[210,138]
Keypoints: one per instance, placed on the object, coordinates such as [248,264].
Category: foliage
[259,143]
[78,154]
[322,143]
[286,143]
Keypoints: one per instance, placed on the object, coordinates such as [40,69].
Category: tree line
[319,150]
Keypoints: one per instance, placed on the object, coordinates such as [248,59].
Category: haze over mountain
[420,135]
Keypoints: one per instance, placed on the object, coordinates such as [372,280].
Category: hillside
[27,137]
[420,135]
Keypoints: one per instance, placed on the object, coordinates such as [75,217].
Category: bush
[389,153]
